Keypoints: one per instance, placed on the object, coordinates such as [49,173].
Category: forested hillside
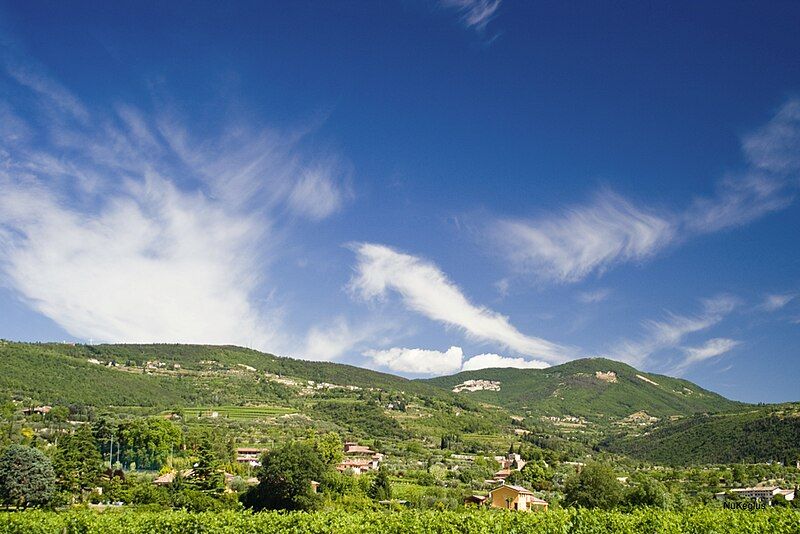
[764,434]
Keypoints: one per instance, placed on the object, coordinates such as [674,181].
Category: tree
[647,491]
[780,500]
[381,489]
[26,477]
[595,486]
[537,474]
[329,447]
[219,438]
[148,442]
[58,414]
[206,475]
[285,479]
[77,461]
[7,410]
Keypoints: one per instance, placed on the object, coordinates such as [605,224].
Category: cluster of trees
[288,474]
[597,486]
[28,477]
[74,469]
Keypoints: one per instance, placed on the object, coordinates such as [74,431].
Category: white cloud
[418,361]
[502,286]
[486,361]
[583,239]
[774,148]
[435,362]
[426,290]
[330,342]
[32,77]
[670,332]
[776,302]
[592,297]
[474,13]
[153,264]
[738,201]
[609,230]
[710,349]
[316,195]
[124,227]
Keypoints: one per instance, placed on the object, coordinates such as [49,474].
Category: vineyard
[641,521]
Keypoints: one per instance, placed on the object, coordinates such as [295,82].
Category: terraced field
[240,413]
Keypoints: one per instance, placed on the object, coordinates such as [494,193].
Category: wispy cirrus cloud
[337,338]
[317,194]
[773,148]
[669,333]
[583,239]
[474,14]
[595,296]
[776,301]
[609,230]
[425,289]
[122,226]
[710,349]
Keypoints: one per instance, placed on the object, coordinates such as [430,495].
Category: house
[249,455]
[515,498]
[356,466]
[352,448]
[41,410]
[359,458]
[167,478]
[314,486]
[759,493]
[511,461]
[502,475]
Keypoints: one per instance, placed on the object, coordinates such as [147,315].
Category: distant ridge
[591,387]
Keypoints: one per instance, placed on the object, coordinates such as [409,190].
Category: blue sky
[417,187]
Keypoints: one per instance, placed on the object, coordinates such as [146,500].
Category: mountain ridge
[578,387]
[592,387]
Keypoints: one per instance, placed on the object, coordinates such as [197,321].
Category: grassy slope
[759,434]
[573,389]
[61,373]
[213,376]
[45,374]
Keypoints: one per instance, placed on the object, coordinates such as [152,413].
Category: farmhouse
[515,498]
[249,455]
[358,459]
[759,493]
[510,462]
[41,410]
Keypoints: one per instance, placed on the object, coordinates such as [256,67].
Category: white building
[760,493]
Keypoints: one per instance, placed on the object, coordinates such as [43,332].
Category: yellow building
[515,498]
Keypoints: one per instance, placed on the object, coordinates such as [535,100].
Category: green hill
[760,434]
[277,396]
[583,400]
[176,374]
[593,388]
